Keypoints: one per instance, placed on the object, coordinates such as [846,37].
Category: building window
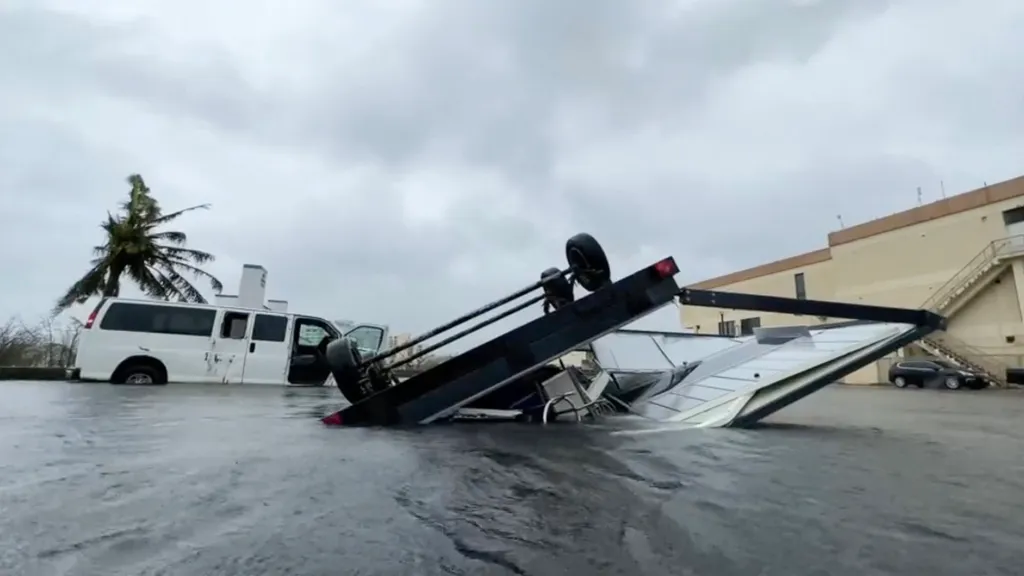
[727,328]
[1013,215]
[801,288]
[747,325]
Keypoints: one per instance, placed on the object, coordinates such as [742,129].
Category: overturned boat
[684,379]
[706,381]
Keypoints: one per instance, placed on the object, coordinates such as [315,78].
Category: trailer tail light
[666,268]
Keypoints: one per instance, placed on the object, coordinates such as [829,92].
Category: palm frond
[150,285]
[89,285]
[172,236]
[185,254]
[190,292]
[133,246]
[140,206]
[175,265]
[167,218]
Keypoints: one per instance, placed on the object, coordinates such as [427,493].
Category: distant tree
[135,246]
[44,344]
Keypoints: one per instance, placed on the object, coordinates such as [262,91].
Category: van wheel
[139,374]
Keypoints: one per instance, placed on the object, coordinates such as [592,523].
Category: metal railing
[1001,248]
[952,346]
[961,351]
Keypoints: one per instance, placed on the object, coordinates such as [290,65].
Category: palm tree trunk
[112,287]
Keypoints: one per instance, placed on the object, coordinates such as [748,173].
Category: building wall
[900,260]
[991,317]
[818,280]
[904,267]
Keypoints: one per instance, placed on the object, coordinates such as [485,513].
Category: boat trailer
[512,376]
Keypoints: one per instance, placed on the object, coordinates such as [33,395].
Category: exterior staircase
[975,276]
[952,296]
[950,348]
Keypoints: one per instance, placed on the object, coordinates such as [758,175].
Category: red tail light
[666,267]
[92,315]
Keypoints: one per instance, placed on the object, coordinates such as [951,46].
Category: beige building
[962,256]
[401,339]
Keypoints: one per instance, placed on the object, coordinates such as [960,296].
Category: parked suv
[923,373]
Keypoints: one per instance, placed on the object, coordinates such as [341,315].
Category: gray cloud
[405,161]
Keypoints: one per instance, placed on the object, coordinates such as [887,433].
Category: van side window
[309,331]
[234,325]
[310,335]
[267,328]
[157,319]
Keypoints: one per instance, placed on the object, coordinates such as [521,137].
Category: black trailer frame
[440,391]
[801,306]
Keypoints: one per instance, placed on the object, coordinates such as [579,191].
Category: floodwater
[179,480]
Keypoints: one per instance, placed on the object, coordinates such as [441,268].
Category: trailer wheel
[343,358]
[557,289]
[588,261]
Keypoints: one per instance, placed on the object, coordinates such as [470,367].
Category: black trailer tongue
[437,393]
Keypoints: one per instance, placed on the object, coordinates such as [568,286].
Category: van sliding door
[230,345]
[268,350]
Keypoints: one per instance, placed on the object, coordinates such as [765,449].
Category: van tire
[139,372]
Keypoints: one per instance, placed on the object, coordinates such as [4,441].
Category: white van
[149,342]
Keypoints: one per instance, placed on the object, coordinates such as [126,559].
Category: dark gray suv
[922,373]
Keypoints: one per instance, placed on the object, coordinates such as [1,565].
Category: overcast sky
[401,161]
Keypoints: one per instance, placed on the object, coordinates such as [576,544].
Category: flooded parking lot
[180,480]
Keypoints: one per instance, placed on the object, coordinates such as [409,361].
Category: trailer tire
[588,261]
[557,289]
[343,359]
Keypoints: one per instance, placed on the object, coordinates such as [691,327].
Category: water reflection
[230,480]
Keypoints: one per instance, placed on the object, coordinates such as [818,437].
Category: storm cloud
[401,161]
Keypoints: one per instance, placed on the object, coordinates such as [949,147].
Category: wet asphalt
[180,480]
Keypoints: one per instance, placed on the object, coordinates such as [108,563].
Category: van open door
[370,338]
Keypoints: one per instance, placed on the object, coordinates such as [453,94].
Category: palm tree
[153,259]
